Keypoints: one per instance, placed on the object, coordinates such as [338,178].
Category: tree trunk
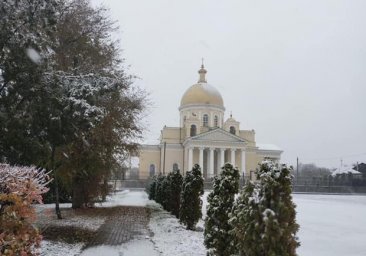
[57,200]
[105,189]
[57,196]
[77,195]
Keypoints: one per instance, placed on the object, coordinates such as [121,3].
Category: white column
[217,159]
[201,159]
[222,158]
[243,162]
[232,155]
[211,167]
[207,164]
[190,158]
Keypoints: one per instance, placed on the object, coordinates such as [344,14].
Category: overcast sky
[294,71]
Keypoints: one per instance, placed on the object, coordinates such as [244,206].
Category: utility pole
[164,158]
[341,164]
[297,170]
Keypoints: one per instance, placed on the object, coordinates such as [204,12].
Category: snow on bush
[191,203]
[263,217]
[159,192]
[19,188]
[166,189]
[176,180]
[151,189]
[220,203]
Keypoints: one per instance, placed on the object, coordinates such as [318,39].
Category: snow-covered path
[329,225]
[127,198]
[127,218]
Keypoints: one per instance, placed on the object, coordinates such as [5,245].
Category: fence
[116,185]
[343,184]
[142,183]
[327,184]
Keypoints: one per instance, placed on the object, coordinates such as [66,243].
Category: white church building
[204,137]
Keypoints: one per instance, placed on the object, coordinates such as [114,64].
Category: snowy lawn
[329,225]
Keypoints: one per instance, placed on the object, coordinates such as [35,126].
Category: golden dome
[202,93]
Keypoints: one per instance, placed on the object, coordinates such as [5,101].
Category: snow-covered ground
[52,248]
[329,225]
[126,197]
[136,247]
[171,238]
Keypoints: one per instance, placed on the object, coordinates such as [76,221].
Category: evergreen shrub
[191,203]
[264,217]
[220,202]
[176,181]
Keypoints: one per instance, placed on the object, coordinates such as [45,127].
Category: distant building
[204,137]
[347,170]
[361,167]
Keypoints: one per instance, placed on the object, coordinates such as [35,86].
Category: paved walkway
[124,224]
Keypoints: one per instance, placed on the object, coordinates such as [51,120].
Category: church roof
[268,147]
[217,135]
[202,93]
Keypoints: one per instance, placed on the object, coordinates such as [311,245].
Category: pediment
[217,135]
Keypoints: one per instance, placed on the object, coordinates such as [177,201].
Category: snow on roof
[345,170]
[268,147]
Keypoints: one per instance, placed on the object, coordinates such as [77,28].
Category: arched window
[175,167]
[152,170]
[216,121]
[193,130]
[232,130]
[205,120]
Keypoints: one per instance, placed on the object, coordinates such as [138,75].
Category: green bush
[166,193]
[176,180]
[151,187]
[220,203]
[263,217]
[159,192]
[191,203]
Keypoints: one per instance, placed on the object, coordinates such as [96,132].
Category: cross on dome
[202,73]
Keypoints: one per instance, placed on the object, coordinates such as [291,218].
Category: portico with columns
[204,137]
[217,147]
